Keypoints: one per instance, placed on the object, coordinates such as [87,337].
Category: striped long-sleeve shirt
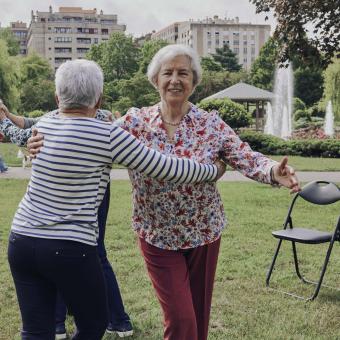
[70,175]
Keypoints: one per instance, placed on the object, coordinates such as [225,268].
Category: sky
[140,16]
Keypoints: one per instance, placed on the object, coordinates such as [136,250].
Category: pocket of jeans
[72,253]
[14,238]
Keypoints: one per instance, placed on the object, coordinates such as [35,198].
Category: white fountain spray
[281,124]
[329,120]
[269,126]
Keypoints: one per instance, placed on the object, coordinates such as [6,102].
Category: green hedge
[271,145]
[234,114]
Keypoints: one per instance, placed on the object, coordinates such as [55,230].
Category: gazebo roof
[243,91]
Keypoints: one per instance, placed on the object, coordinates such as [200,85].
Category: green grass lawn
[242,306]
[9,153]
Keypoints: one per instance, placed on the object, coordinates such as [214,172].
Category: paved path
[230,176]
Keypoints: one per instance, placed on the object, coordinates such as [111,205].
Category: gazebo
[246,94]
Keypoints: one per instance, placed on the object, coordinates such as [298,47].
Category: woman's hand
[35,143]
[284,175]
[221,167]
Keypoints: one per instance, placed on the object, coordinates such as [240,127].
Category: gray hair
[170,52]
[79,83]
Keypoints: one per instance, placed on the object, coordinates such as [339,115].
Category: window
[236,42]
[105,31]
[62,30]
[236,50]
[245,50]
[63,39]
[82,50]
[62,50]
[84,40]
[253,50]
[61,60]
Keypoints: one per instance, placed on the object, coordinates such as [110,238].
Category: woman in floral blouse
[180,225]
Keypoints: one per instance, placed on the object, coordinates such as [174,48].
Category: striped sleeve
[130,152]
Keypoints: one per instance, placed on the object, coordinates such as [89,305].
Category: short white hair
[170,52]
[79,83]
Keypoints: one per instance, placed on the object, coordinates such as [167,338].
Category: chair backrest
[320,192]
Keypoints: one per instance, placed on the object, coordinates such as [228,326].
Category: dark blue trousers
[41,267]
[117,314]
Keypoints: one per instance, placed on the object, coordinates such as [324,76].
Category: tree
[209,64]
[35,68]
[293,17]
[9,75]
[12,42]
[311,79]
[148,50]
[263,68]
[227,58]
[118,56]
[37,95]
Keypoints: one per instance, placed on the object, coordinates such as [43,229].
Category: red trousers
[183,281]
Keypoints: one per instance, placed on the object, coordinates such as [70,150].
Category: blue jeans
[3,166]
[41,267]
[117,314]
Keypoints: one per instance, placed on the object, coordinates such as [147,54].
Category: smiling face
[175,80]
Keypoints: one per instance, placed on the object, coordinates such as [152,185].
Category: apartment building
[69,33]
[244,39]
[20,31]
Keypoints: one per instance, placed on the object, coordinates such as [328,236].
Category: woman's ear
[99,102]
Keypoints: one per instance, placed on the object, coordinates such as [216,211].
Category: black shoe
[123,329]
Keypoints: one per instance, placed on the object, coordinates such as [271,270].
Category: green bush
[271,145]
[35,113]
[235,115]
[298,114]
[316,111]
[298,104]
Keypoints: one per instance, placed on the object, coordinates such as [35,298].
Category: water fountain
[329,120]
[269,126]
[280,122]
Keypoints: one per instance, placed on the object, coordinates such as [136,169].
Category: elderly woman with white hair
[54,230]
[180,225]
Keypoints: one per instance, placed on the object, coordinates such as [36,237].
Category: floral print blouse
[181,216]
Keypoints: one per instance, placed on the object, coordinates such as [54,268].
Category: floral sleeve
[16,135]
[239,155]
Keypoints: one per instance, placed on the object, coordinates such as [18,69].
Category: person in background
[19,129]
[180,225]
[3,166]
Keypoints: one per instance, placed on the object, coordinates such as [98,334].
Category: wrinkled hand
[285,176]
[221,167]
[35,143]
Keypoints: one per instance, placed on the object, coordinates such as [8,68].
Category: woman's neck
[174,112]
[83,112]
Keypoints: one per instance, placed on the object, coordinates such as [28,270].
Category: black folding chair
[321,193]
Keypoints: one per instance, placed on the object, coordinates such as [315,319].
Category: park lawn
[242,306]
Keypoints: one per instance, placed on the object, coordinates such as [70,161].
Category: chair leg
[296,264]
[324,267]
[269,273]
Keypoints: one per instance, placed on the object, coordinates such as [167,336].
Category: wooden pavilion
[247,94]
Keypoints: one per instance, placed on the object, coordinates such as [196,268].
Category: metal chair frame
[322,195]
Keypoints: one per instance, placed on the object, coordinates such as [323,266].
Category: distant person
[3,166]
[52,245]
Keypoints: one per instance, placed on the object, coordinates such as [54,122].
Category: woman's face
[175,80]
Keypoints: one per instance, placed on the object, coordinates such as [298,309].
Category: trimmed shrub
[271,145]
[298,104]
[35,114]
[234,114]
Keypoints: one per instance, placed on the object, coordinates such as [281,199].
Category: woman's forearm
[19,121]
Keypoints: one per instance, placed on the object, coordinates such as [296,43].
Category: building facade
[20,31]
[69,33]
[244,39]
